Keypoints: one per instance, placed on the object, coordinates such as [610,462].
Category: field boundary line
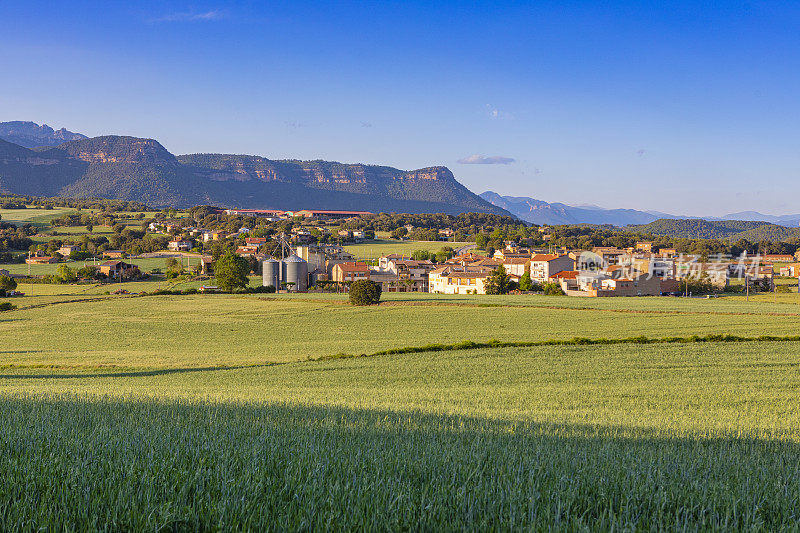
[575,341]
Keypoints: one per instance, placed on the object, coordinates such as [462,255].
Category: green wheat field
[228,412]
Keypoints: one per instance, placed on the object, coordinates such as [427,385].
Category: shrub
[7,283]
[365,292]
[784,289]
[525,282]
[66,275]
[79,255]
[553,289]
[265,289]
[87,272]
[7,306]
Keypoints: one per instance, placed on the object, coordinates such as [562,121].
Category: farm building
[67,249]
[41,260]
[113,269]
[347,272]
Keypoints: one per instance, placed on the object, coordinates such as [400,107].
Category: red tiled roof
[544,257]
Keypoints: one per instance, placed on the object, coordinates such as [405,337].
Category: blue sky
[688,108]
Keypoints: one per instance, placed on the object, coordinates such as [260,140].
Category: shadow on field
[177,465]
[54,373]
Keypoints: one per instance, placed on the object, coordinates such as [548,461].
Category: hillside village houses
[638,270]
[791,270]
[543,266]
[458,279]
[67,249]
[178,245]
[347,272]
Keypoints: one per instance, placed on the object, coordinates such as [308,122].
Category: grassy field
[212,330]
[377,248]
[700,436]
[36,217]
[211,412]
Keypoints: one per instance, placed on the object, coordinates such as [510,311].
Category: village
[297,262]
[601,272]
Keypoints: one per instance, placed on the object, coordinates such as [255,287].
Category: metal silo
[295,271]
[271,273]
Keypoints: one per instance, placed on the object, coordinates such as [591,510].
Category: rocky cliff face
[130,168]
[433,184]
[31,135]
[116,149]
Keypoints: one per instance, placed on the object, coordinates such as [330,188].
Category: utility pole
[747,285]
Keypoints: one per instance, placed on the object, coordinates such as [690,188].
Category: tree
[399,233]
[553,289]
[420,255]
[525,282]
[481,240]
[89,227]
[231,272]
[174,266]
[87,272]
[365,292]
[7,283]
[497,282]
[66,275]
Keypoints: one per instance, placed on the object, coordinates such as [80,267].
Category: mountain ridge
[31,135]
[140,169]
[544,213]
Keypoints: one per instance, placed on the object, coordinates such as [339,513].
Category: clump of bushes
[266,289]
[7,306]
[170,292]
[553,289]
[365,292]
[7,284]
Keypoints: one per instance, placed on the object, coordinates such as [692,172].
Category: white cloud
[203,16]
[476,159]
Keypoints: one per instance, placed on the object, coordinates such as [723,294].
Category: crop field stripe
[575,341]
[437,347]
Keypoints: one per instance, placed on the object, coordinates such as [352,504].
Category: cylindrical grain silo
[295,274]
[271,273]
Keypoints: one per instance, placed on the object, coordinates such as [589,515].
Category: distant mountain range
[136,169]
[32,135]
[39,161]
[540,212]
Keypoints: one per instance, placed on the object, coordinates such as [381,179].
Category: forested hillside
[705,229]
